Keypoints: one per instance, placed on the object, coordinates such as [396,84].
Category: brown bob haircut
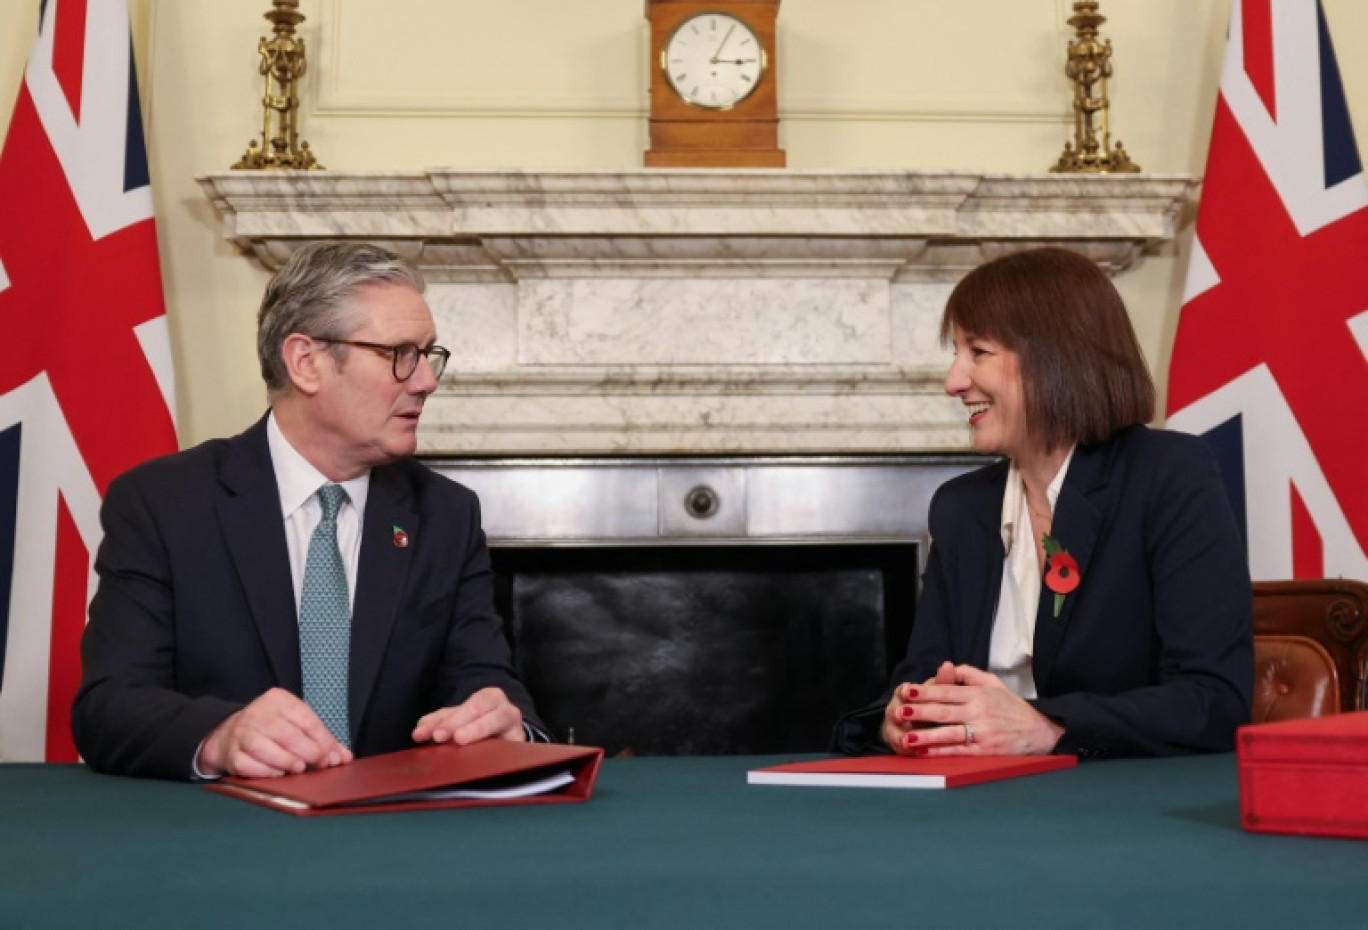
[1082,375]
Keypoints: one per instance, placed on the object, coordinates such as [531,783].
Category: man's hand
[277,734]
[938,717]
[486,714]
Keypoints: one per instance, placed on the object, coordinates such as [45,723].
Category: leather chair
[1310,648]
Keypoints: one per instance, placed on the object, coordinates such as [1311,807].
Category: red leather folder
[1305,776]
[388,782]
[905,772]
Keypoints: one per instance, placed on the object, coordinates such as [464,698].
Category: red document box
[1306,776]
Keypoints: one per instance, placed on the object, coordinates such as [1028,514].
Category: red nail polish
[913,692]
[910,739]
[905,712]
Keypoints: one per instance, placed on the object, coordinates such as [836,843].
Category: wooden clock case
[686,136]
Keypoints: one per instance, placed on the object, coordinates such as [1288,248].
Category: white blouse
[1010,652]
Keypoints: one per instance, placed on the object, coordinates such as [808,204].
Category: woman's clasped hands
[963,710]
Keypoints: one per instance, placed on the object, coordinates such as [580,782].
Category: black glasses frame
[436,355]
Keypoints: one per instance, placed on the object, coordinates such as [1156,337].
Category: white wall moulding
[695,311]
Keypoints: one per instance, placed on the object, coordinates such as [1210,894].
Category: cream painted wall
[556,84]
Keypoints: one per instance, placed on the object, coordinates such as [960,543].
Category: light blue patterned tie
[325,621]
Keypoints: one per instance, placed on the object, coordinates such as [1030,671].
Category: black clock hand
[722,43]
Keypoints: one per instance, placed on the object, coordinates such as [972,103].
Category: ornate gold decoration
[282,65]
[1088,67]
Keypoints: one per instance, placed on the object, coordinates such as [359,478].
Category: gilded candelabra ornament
[282,65]
[1088,67]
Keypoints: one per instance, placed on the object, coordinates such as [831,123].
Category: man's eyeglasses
[403,357]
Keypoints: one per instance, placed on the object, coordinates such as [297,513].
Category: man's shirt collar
[298,480]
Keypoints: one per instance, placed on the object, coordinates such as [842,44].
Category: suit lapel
[381,576]
[254,532]
[1077,522]
[988,553]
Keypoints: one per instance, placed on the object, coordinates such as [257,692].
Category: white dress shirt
[298,482]
[1011,650]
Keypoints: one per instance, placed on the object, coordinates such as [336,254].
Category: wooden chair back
[1310,648]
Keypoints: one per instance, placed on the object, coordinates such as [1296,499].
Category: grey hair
[312,294]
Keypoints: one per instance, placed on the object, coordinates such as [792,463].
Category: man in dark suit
[304,592]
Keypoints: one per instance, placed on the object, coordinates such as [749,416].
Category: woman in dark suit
[1089,593]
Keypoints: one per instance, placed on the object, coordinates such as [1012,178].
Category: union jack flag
[1269,363]
[86,383]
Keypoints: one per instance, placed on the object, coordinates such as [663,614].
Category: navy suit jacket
[195,613]
[1153,653]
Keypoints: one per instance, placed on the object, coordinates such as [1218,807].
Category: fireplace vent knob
[701,502]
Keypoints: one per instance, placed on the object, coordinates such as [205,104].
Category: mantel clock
[713,100]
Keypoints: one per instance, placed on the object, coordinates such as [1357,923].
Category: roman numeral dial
[713,60]
[714,92]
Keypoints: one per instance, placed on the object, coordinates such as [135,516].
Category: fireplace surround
[695,312]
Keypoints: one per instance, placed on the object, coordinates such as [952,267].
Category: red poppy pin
[401,539]
[1061,571]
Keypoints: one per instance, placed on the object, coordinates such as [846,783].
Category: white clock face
[713,60]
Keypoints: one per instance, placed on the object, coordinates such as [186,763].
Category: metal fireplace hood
[712,501]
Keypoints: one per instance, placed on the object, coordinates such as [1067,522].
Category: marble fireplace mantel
[694,311]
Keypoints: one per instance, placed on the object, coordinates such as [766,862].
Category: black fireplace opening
[705,649]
